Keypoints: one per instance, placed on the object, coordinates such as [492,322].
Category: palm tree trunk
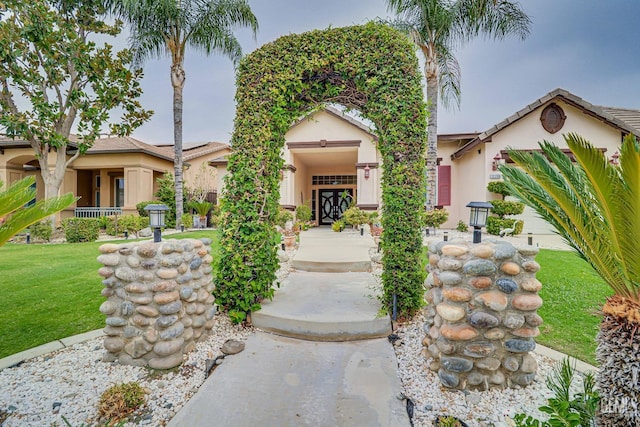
[432,137]
[177,81]
[618,354]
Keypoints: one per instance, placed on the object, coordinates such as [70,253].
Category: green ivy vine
[371,68]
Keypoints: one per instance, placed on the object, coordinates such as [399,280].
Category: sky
[588,47]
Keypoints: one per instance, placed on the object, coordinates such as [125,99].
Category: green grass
[52,291]
[572,295]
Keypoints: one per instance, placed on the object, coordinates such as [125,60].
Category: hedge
[495,225]
[372,68]
[78,230]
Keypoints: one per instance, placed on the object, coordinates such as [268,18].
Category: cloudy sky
[588,47]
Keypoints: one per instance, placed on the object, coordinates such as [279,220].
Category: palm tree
[595,207]
[167,27]
[438,27]
[15,216]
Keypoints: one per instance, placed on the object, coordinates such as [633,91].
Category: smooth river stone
[510,363]
[526,332]
[494,334]
[187,245]
[510,268]
[445,346]
[109,260]
[147,250]
[533,319]
[133,262]
[527,250]
[489,364]
[458,333]
[166,297]
[147,310]
[137,348]
[482,251]
[207,259]
[108,307]
[456,364]
[126,274]
[149,264]
[185,292]
[479,350]
[526,302]
[449,264]
[127,308]
[145,276]
[531,284]
[171,261]
[166,321]
[504,250]
[125,250]
[530,266]
[141,320]
[523,379]
[480,282]
[513,320]
[454,250]
[140,299]
[165,348]
[171,308]
[433,260]
[517,345]
[448,379]
[105,272]
[507,286]
[457,294]
[479,267]
[493,299]
[529,364]
[195,263]
[113,344]
[166,362]
[115,321]
[108,248]
[481,319]
[167,273]
[165,286]
[136,288]
[106,292]
[475,378]
[173,332]
[434,295]
[450,313]
[449,278]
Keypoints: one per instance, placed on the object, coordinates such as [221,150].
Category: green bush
[503,207]
[435,218]
[499,187]
[166,195]
[187,220]
[117,225]
[462,226]
[495,224]
[303,213]
[81,229]
[374,218]
[338,225]
[283,216]
[41,230]
[355,216]
[140,207]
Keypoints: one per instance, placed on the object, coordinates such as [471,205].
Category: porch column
[288,187]
[367,191]
[138,186]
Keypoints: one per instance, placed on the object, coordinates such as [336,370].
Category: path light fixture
[478,218]
[156,219]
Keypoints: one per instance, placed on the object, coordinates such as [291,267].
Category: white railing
[96,212]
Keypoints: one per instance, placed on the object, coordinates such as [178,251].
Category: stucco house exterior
[113,176]
[329,152]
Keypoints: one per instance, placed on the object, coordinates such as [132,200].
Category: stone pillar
[159,301]
[481,314]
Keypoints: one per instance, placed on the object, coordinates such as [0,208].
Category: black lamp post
[478,218]
[156,219]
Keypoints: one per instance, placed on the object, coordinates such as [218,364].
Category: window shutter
[444,185]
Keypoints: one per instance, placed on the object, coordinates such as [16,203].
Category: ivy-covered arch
[372,68]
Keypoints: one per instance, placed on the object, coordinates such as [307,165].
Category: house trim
[323,143]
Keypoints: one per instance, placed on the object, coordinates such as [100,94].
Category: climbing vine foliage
[371,68]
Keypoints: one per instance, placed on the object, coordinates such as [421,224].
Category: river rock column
[481,314]
[159,301]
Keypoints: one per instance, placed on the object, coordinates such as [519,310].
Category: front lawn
[52,291]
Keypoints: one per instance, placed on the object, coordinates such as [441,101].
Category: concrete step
[324,251]
[324,307]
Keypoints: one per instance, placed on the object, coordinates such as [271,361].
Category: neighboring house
[112,177]
[329,152]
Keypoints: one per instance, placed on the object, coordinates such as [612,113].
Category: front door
[333,203]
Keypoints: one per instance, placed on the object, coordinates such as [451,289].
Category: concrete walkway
[286,381]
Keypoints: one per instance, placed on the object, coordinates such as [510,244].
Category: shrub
[187,220]
[338,225]
[283,216]
[435,218]
[503,207]
[355,216]
[374,218]
[499,187]
[120,401]
[140,207]
[462,226]
[166,194]
[303,213]
[41,230]
[81,229]
[495,224]
[117,225]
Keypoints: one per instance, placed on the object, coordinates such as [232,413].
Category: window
[32,201]
[334,179]
[119,192]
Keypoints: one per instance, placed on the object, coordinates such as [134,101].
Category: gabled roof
[342,116]
[611,116]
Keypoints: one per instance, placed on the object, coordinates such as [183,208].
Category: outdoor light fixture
[496,161]
[614,159]
[367,170]
[156,219]
[478,218]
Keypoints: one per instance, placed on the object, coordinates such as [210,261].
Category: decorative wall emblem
[552,118]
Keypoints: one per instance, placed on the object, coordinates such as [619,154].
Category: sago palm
[166,28]
[438,27]
[15,216]
[595,206]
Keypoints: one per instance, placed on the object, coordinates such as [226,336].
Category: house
[331,159]
[113,176]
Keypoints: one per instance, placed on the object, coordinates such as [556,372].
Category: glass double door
[333,203]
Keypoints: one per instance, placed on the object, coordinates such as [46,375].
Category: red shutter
[444,185]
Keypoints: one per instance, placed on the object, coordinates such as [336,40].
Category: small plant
[355,216]
[462,227]
[338,225]
[41,230]
[448,421]
[187,220]
[564,409]
[283,217]
[202,208]
[303,213]
[120,401]
[374,218]
[435,218]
